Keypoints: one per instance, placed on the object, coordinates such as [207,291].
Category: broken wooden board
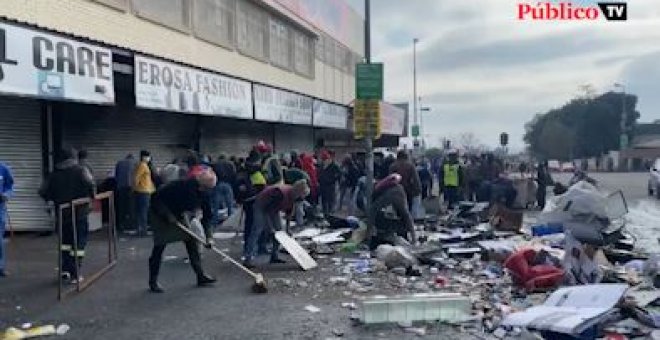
[294,249]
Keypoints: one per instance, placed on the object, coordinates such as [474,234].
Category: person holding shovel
[169,205]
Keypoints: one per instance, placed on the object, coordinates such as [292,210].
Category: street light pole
[422,109]
[415,41]
[624,117]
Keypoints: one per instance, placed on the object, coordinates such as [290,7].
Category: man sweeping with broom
[166,216]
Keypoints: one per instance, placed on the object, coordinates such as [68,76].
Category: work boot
[154,269]
[204,280]
[155,287]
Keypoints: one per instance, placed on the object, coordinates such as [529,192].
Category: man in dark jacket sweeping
[168,208]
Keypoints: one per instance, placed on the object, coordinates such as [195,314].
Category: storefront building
[119,76]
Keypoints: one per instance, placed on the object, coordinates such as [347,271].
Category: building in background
[117,76]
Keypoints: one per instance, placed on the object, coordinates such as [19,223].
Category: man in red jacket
[266,211]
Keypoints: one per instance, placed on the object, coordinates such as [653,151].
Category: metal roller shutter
[233,137]
[110,133]
[20,149]
[294,137]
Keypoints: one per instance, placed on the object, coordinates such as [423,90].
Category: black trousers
[328,198]
[157,256]
[540,196]
[124,208]
[68,252]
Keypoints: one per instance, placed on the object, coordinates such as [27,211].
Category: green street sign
[369,81]
[415,130]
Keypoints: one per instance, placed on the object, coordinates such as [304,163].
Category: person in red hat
[329,176]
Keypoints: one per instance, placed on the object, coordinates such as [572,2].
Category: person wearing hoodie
[268,205]
[409,177]
[6,191]
[68,182]
[329,176]
[389,216]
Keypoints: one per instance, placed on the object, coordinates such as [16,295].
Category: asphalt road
[633,184]
[119,306]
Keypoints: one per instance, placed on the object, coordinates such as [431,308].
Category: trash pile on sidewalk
[573,273]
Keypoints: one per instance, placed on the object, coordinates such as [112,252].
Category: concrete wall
[124,29]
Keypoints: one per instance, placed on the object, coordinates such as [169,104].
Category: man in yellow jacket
[143,186]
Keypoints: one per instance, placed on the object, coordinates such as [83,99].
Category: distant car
[654,179]
[567,167]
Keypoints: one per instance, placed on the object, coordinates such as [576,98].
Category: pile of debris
[487,270]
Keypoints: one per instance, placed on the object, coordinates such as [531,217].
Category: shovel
[259,285]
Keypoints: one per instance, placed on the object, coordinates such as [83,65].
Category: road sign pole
[369,147]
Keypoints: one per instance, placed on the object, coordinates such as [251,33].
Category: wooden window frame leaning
[112,242]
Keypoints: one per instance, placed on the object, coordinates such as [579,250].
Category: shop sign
[163,85]
[330,115]
[274,105]
[392,119]
[38,64]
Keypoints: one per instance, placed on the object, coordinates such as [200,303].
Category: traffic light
[504,139]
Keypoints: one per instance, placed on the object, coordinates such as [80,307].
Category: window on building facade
[171,13]
[339,56]
[318,46]
[303,53]
[251,36]
[329,48]
[117,4]
[280,43]
[214,21]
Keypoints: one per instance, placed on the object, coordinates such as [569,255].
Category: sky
[481,70]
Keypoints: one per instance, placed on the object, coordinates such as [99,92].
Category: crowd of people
[197,190]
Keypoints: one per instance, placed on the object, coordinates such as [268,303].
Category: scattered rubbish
[294,249]
[448,307]
[338,332]
[500,333]
[307,233]
[333,237]
[223,235]
[419,331]
[168,258]
[26,325]
[16,334]
[570,310]
[62,329]
[395,256]
[349,305]
[303,284]
[312,309]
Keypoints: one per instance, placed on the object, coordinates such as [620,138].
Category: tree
[586,126]
[433,153]
[469,142]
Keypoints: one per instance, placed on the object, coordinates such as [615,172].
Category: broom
[259,285]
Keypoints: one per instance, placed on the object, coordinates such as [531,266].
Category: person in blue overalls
[6,190]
